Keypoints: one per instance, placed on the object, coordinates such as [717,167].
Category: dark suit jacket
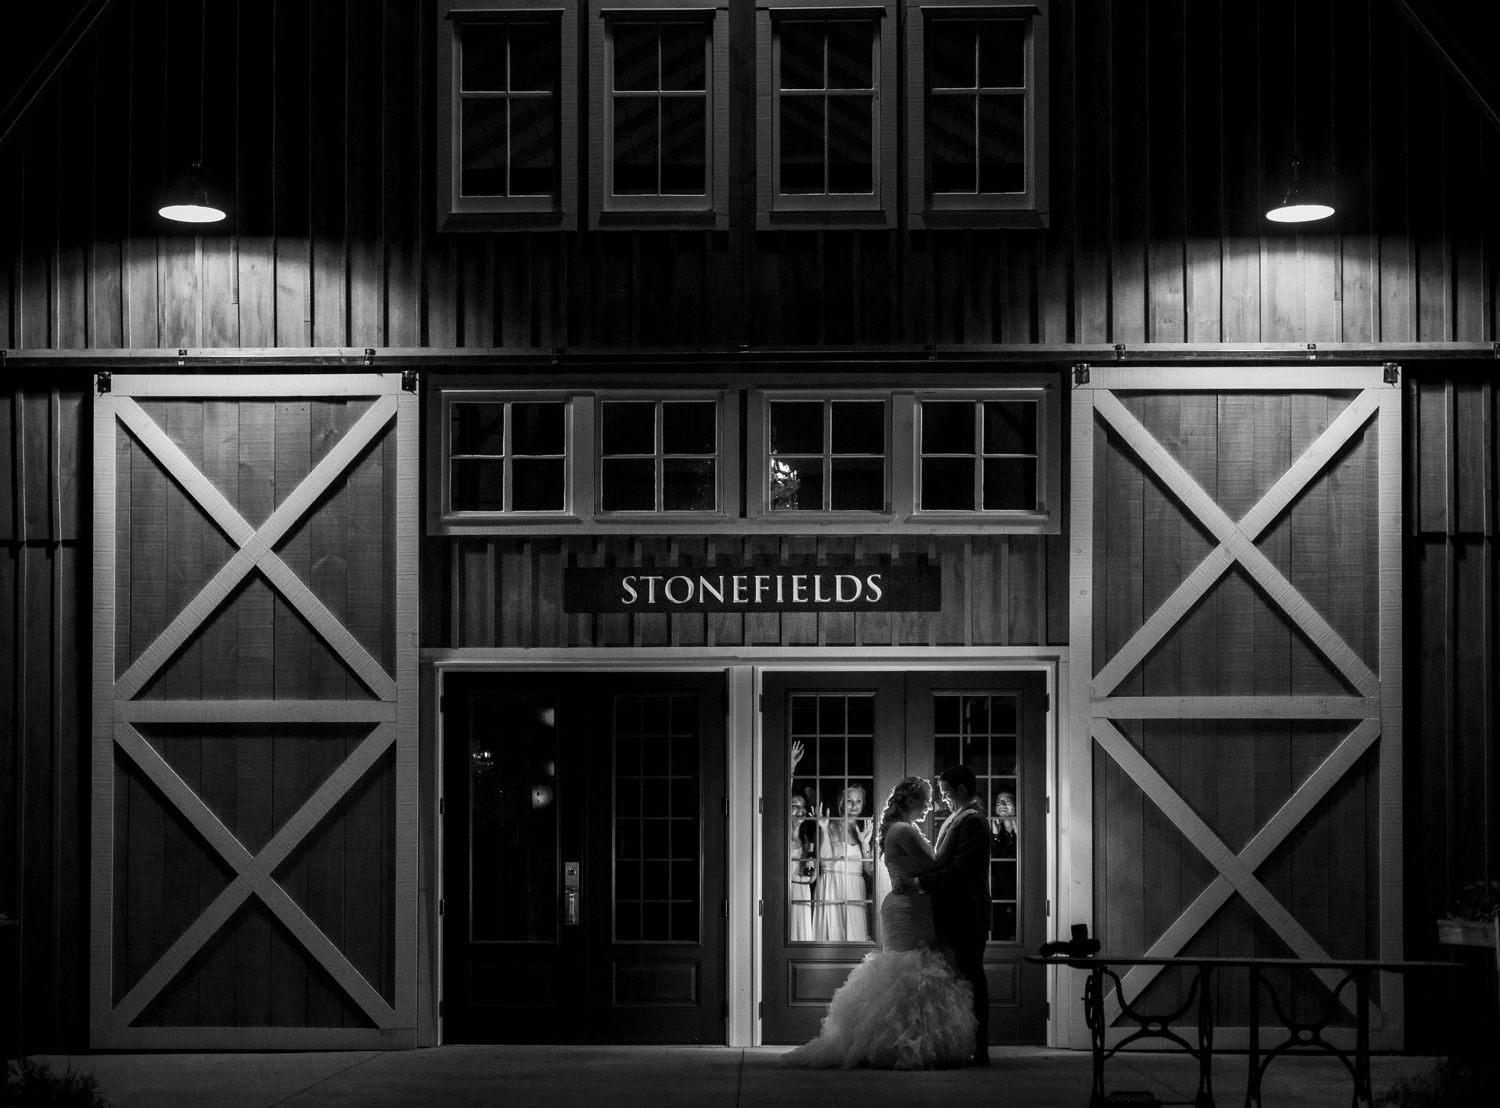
[960,884]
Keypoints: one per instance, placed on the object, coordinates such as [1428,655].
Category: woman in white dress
[904,1006]
[841,898]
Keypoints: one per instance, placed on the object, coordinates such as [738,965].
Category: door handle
[570,893]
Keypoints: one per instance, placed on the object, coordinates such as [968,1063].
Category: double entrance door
[834,745]
[583,822]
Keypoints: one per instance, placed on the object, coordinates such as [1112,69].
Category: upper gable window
[507,103]
[827,116]
[661,113]
[976,113]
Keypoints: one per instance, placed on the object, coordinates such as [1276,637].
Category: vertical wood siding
[1171,126]
[43,710]
[1453,748]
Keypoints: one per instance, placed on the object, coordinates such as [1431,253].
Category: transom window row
[869,456]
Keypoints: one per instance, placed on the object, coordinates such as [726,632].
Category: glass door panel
[834,745]
[980,730]
[833,737]
[513,829]
[583,862]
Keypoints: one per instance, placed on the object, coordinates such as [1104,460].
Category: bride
[903,1007]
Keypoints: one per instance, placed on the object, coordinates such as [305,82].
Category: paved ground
[624,1077]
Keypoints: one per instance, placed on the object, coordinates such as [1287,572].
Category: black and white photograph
[750,553]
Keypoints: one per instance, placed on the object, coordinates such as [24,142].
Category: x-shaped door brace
[1236,543]
[256,548]
[1236,871]
[253,874]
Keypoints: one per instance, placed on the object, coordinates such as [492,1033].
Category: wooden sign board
[824,588]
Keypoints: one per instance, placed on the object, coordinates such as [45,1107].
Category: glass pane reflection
[831,820]
[513,819]
[980,730]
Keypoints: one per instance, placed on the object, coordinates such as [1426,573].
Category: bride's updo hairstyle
[907,792]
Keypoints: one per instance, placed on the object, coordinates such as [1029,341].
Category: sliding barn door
[1235,639]
[254,756]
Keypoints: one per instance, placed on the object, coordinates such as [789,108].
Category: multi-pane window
[657,827]
[658,107]
[976,105]
[508,102]
[659,456]
[833,789]
[827,455]
[826,85]
[803,460]
[507,456]
[976,112]
[981,731]
[978,455]
[507,79]
[826,122]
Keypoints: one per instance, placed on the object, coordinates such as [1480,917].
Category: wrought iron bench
[1303,1037]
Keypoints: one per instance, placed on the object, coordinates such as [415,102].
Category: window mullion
[507,497]
[978,444]
[659,453]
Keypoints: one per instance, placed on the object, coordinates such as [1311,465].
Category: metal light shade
[1295,207]
[189,202]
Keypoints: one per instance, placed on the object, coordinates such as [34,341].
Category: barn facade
[482,589]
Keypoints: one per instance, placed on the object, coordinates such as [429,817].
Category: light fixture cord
[202,77]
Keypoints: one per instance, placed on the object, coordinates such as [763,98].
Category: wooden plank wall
[255,777]
[1235,774]
[1453,634]
[44,681]
[503,592]
[1170,124]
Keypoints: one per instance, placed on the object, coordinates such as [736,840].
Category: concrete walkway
[625,1077]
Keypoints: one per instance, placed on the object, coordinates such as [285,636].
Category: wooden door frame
[393,712]
[1373,714]
[744,668]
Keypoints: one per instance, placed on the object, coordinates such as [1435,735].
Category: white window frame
[744,463]
[1048,456]
[777,209]
[758,447]
[498,213]
[726,460]
[575,424]
[605,209]
[1028,208]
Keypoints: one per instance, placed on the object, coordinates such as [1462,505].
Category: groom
[960,891]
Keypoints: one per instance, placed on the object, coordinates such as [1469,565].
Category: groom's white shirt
[950,823]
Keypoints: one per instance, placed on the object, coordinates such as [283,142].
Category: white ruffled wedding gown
[904,1006]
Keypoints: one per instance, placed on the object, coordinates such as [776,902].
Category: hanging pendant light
[189,202]
[187,199]
[1297,206]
